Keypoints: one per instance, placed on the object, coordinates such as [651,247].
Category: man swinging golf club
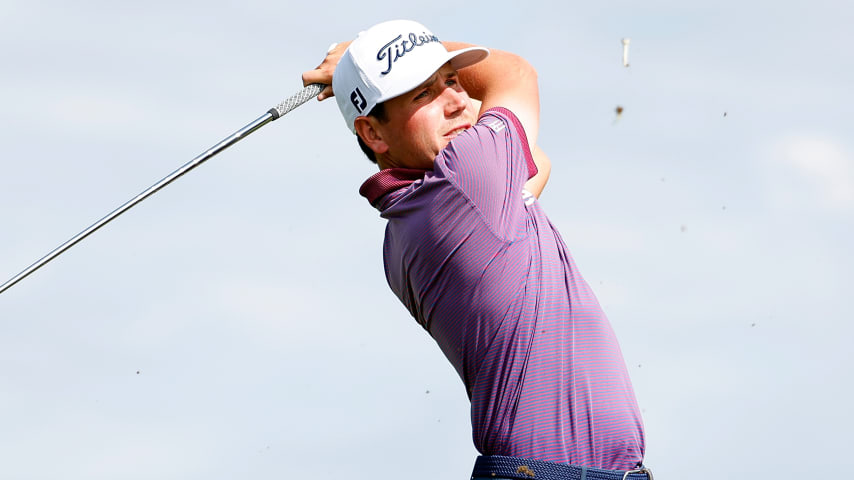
[470,252]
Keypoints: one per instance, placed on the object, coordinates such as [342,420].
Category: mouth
[453,133]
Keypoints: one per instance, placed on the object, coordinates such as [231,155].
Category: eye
[422,94]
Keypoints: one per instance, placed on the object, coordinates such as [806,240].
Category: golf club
[274,113]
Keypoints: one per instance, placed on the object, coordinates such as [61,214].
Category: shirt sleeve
[490,163]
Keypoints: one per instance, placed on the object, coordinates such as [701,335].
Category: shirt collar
[386,181]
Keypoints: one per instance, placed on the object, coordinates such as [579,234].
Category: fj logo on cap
[393,50]
[358,100]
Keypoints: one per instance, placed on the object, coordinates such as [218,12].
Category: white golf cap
[390,59]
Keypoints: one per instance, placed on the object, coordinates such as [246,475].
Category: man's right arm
[501,80]
[537,183]
[504,80]
[508,80]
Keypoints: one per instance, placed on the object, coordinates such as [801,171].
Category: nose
[455,101]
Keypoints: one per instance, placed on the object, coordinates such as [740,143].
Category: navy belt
[497,466]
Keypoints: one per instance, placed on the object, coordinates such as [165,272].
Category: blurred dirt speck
[525,470]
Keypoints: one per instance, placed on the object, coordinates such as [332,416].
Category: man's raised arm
[508,80]
[504,80]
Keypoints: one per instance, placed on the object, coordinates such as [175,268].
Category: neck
[385,161]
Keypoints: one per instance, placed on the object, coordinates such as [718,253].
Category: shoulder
[498,118]
[497,138]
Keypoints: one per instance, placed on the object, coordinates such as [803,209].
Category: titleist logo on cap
[397,48]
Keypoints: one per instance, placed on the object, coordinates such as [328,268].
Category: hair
[379,113]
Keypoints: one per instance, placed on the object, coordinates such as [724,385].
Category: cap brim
[467,56]
[458,58]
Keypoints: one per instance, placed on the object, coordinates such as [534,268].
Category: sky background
[238,324]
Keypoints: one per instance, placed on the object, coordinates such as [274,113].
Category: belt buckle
[645,470]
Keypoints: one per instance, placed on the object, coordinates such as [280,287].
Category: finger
[309,77]
[322,74]
[326,93]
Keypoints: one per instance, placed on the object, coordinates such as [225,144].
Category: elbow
[525,71]
[531,72]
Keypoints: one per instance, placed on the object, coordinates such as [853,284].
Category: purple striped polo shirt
[480,267]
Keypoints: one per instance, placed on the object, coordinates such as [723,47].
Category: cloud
[810,171]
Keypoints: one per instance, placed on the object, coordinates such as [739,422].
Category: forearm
[507,80]
[504,80]
[500,71]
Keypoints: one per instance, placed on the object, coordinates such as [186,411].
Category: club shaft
[274,113]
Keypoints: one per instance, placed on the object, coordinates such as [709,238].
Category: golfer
[470,252]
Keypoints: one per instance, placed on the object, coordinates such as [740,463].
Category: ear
[367,130]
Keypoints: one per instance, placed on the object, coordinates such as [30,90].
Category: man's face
[422,122]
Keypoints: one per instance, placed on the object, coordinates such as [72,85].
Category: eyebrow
[428,82]
[433,79]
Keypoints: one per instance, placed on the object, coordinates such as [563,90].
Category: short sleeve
[490,163]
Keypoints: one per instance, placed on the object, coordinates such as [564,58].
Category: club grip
[304,95]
